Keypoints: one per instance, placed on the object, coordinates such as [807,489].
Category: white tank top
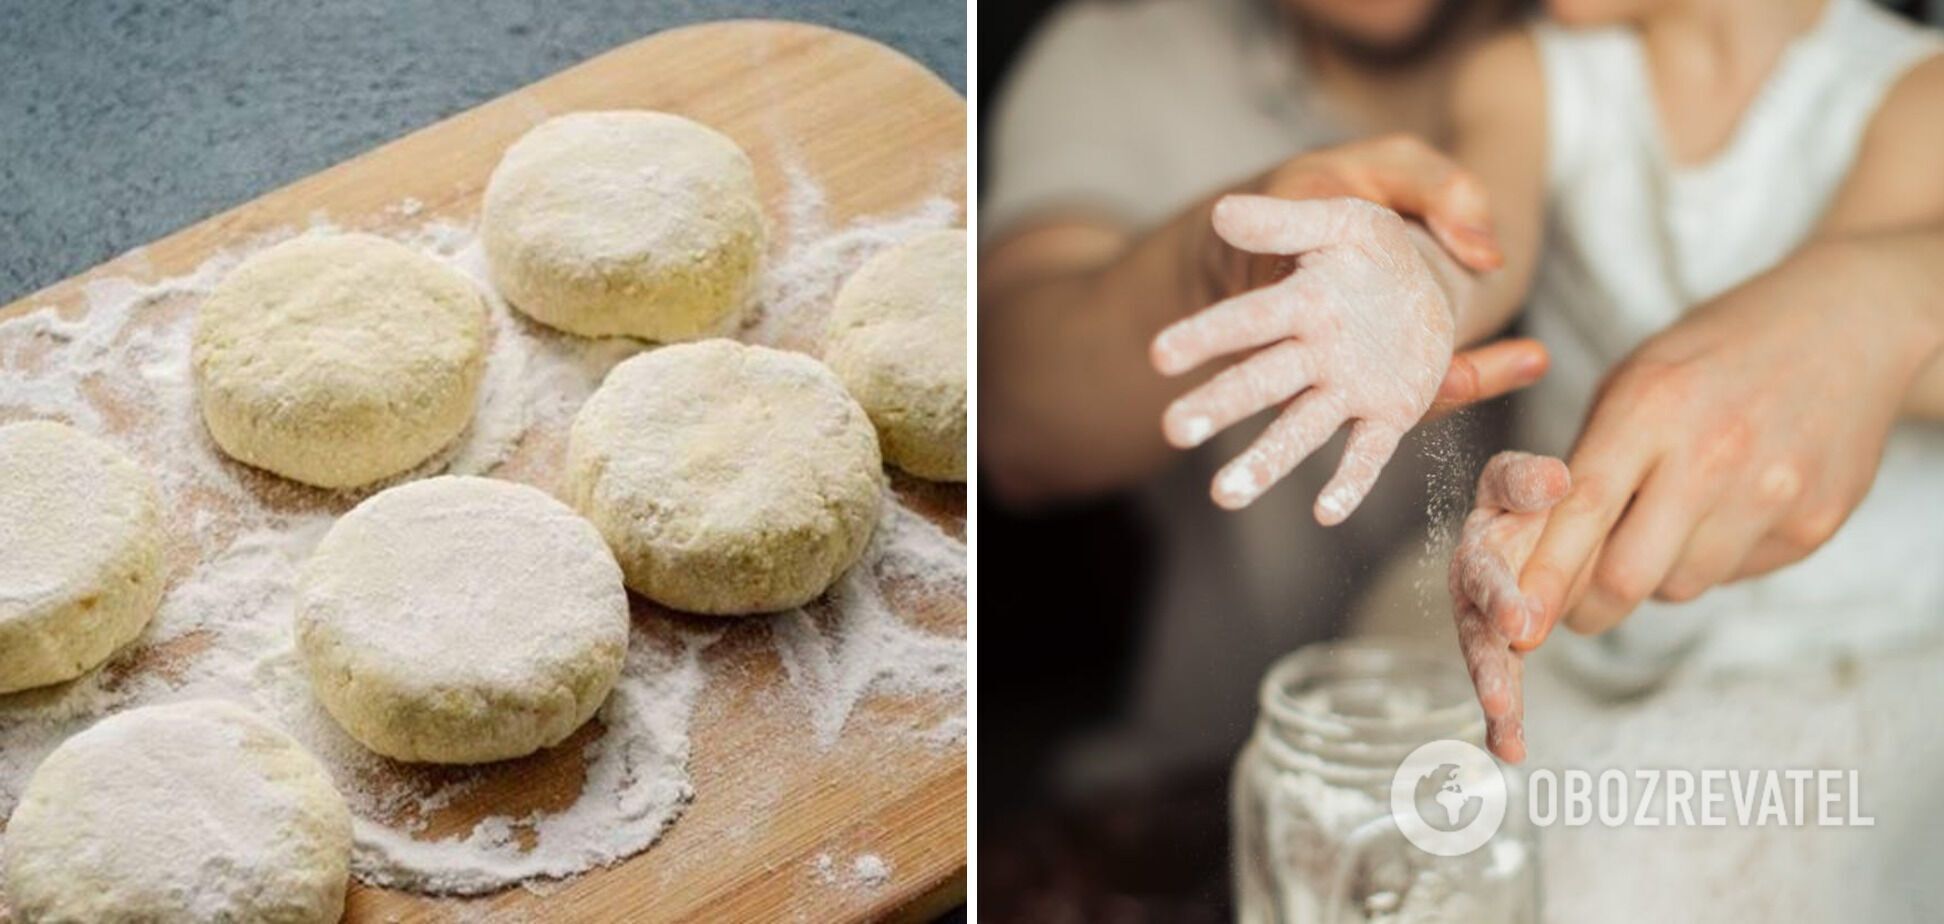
[1633,241]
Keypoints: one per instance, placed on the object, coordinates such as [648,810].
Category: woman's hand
[1360,333]
[1399,172]
[1486,372]
[1514,494]
[1730,444]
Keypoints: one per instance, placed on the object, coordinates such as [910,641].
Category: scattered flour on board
[121,368]
[865,871]
[870,871]
[851,641]
[794,297]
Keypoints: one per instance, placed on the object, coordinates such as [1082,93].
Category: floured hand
[1516,492]
[1360,334]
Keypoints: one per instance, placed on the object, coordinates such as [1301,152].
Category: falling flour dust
[1452,469]
[119,365]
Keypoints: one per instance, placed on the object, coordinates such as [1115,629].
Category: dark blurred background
[1060,610]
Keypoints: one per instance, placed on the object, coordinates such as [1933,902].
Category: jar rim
[1366,656]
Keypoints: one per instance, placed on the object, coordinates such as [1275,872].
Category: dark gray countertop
[123,120]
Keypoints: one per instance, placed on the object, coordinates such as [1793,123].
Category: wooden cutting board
[878,133]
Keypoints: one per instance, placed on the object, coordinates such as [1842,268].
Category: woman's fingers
[1266,224]
[1270,377]
[1486,372]
[1369,446]
[1251,319]
[1715,552]
[1606,468]
[1769,554]
[1306,424]
[1641,551]
[1457,215]
[1474,246]
[1412,177]
[1793,535]
[1522,482]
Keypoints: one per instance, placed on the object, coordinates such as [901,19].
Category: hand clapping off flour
[1496,623]
[1361,333]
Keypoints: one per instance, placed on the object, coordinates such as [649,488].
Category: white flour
[870,871]
[121,369]
[865,871]
[1450,479]
[794,296]
[851,641]
[249,834]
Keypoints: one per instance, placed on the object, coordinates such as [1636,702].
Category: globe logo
[1440,798]
[1448,797]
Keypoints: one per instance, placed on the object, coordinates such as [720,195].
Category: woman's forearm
[1894,278]
[1920,254]
[1499,114]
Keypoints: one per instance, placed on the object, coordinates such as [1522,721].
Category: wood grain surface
[879,134]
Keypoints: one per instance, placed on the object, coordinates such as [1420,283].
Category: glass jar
[1315,841]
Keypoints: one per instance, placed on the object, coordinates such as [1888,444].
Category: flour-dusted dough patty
[461,620]
[337,360]
[640,224]
[80,553]
[727,478]
[189,812]
[897,340]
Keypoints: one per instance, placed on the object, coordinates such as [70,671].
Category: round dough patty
[188,812]
[640,224]
[461,620]
[337,360]
[897,340]
[727,478]
[80,553]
